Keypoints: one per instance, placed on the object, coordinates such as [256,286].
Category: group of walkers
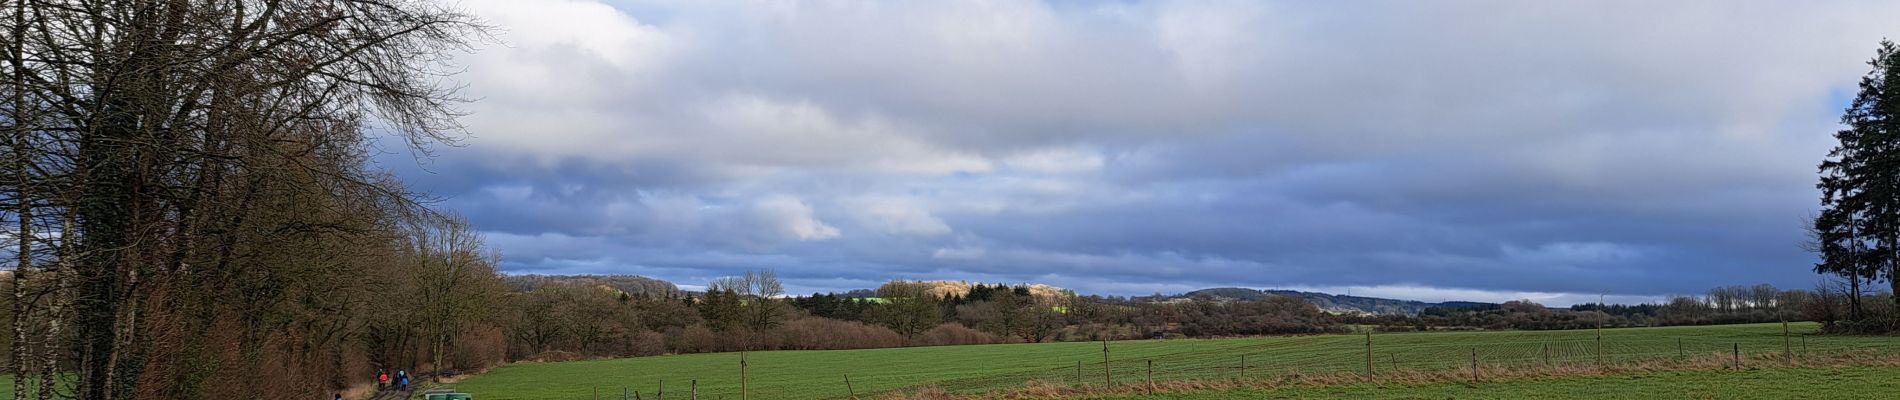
[383,379]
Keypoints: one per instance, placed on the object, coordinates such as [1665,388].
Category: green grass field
[820,374]
[1771,383]
[6,388]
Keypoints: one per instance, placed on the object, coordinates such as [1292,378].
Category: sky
[1455,150]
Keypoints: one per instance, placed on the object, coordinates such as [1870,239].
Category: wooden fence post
[1243,365]
[1601,305]
[1368,355]
[623,393]
[848,388]
[1395,360]
[1787,343]
[742,376]
[662,394]
[1599,347]
[1078,372]
[1474,365]
[694,386]
[1738,356]
[1151,375]
[1546,354]
[596,392]
[1679,352]
[1107,380]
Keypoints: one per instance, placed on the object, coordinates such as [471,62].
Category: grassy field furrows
[965,369]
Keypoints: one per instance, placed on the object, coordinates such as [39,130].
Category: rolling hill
[1329,302]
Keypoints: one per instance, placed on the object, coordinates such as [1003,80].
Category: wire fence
[1136,363]
[1318,357]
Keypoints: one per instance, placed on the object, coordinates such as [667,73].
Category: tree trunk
[49,364]
[1853,297]
[1893,283]
[105,226]
[20,351]
[441,344]
[23,195]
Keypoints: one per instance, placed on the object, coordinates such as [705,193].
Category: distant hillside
[631,284]
[1229,293]
[1328,302]
[958,288]
[943,288]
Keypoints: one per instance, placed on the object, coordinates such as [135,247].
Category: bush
[477,349]
[815,333]
[951,333]
[647,343]
[698,339]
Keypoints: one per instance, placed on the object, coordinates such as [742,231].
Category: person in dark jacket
[402,379]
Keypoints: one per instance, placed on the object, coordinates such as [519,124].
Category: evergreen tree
[722,309]
[1858,231]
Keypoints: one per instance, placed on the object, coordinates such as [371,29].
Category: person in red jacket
[382,379]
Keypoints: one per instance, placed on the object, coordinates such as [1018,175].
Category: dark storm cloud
[1472,150]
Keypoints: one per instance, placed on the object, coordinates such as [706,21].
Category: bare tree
[177,151]
[1764,297]
[455,279]
[765,310]
[912,308]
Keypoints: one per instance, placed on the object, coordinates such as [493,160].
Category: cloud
[1056,161]
[791,216]
[1482,148]
[1571,253]
[899,216]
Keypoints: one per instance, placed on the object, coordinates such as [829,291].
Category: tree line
[191,212]
[564,320]
[581,319]
[1721,305]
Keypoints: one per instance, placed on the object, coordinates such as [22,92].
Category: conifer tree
[1859,227]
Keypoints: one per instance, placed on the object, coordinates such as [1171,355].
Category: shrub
[477,349]
[951,333]
[647,343]
[816,333]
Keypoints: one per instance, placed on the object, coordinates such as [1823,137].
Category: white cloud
[959,254]
[792,216]
[544,91]
[766,132]
[1057,161]
[597,30]
[900,216]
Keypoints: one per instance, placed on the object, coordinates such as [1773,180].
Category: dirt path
[393,394]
